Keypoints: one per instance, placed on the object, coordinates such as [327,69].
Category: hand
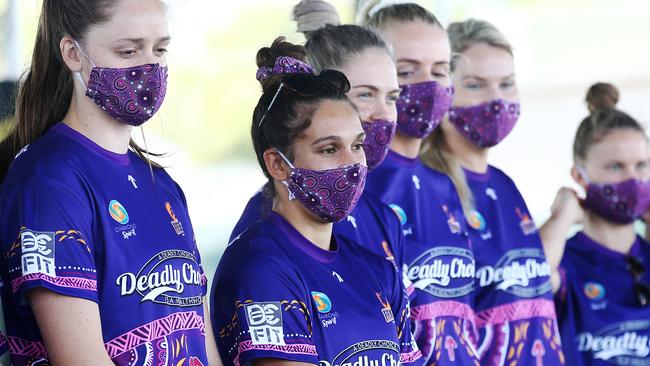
[567,206]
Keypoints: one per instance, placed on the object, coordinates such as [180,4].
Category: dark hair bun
[267,56]
[602,96]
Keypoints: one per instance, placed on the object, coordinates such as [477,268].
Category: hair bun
[602,96]
[311,15]
[267,56]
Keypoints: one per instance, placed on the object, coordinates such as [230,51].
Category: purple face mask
[130,95]
[379,134]
[621,202]
[486,124]
[421,107]
[329,194]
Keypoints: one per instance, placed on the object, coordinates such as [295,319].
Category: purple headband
[284,65]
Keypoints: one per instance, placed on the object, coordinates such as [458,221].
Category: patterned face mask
[621,202]
[379,134]
[421,107]
[329,194]
[487,124]
[130,95]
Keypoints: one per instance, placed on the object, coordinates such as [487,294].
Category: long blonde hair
[434,151]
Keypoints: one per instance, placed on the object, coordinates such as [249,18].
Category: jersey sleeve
[260,310]
[253,212]
[46,238]
[409,353]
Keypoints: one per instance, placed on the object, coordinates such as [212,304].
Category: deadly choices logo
[521,272]
[446,272]
[626,343]
[171,277]
[367,353]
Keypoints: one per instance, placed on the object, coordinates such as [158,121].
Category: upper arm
[71,328]
[260,309]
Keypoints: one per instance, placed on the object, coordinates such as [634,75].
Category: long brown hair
[434,151]
[46,88]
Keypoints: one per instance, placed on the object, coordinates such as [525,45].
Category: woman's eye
[405,74]
[127,52]
[473,86]
[393,98]
[615,167]
[364,95]
[161,50]
[358,146]
[507,85]
[328,151]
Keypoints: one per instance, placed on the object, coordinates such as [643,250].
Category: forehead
[420,41]
[485,61]
[142,19]
[333,118]
[621,144]
[371,67]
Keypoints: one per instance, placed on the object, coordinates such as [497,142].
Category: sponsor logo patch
[118,212]
[37,252]
[265,322]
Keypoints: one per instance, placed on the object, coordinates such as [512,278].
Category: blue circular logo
[118,212]
[323,303]
[594,291]
[401,215]
[476,220]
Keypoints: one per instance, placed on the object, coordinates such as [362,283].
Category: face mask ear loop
[77,74]
[583,173]
[285,182]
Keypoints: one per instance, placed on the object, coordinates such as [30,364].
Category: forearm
[210,343]
[554,235]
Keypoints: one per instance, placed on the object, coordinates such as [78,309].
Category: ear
[578,177]
[275,165]
[71,54]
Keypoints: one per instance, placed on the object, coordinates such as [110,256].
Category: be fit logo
[625,343]
[520,272]
[367,353]
[446,272]
[171,277]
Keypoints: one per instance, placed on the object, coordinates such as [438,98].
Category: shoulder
[255,251]
[47,157]
[501,177]
[364,257]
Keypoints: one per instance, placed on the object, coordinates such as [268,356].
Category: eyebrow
[483,79]
[142,40]
[412,61]
[361,135]
[374,88]
[326,138]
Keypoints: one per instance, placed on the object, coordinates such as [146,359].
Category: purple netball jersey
[438,260]
[85,222]
[601,320]
[371,224]
[277,295]
[515,314]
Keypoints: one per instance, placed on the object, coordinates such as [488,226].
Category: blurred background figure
[561,47]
